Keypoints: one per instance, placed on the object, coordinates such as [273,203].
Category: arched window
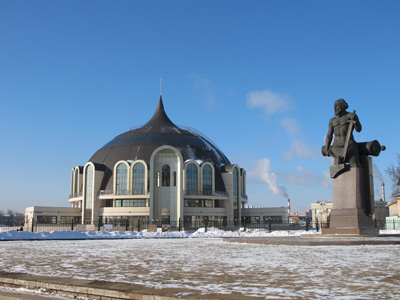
[191,179]
[88,194]
[235,194]
[138,179]
[166,175]
[207,180]
[121,179]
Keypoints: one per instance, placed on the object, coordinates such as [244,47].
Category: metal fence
[190,227]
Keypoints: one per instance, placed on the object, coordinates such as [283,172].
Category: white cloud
[262,171]
[299,149]
[271,102]
[291,126]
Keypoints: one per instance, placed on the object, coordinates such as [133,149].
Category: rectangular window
[198,203]
[254,220]
[274,219]
[109,203]
[130,203]
[47,219]
[208,203]
[69,220]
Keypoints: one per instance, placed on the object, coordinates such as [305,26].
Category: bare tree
[394,173]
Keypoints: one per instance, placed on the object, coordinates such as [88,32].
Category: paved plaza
[214,269]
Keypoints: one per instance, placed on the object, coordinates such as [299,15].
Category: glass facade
[88,194]
[138,179]
[207,179]
[191,179]
[121,179]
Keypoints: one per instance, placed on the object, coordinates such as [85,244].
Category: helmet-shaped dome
[160,130]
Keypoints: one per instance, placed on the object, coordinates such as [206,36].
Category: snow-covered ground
[201,233]
[210,266]
[211,233]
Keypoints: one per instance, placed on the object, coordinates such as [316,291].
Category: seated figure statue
[344,148]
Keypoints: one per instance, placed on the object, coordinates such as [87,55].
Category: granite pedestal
[353,201]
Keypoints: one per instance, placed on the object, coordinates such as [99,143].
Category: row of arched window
[138,184]
[165,178]
[139,176]
[192,180]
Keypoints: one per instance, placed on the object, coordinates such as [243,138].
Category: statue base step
[350,221]
[350,231]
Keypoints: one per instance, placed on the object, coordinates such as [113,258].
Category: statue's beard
[339,113]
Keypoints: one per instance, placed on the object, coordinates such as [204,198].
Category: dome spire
[160,118]
[160,105]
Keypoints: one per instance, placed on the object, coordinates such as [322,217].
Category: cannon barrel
[373,148]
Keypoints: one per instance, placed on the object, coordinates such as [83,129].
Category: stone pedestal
[352,193]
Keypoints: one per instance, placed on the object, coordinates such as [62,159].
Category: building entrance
[165,216]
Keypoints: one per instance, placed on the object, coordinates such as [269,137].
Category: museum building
[158,172]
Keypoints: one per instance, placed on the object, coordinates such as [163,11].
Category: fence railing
[139,224]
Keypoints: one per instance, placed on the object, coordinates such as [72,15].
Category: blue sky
[257,77]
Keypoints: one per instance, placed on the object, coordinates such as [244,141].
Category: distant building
[11,219]
[393,221]
[300,217]
[394,207]
[321,212]
[263,215]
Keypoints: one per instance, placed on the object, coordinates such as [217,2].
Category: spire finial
[160,84]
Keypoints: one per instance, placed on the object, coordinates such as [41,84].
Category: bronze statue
[352,173]
[342,126]
[344,148]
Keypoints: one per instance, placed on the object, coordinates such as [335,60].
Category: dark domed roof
[160,130]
